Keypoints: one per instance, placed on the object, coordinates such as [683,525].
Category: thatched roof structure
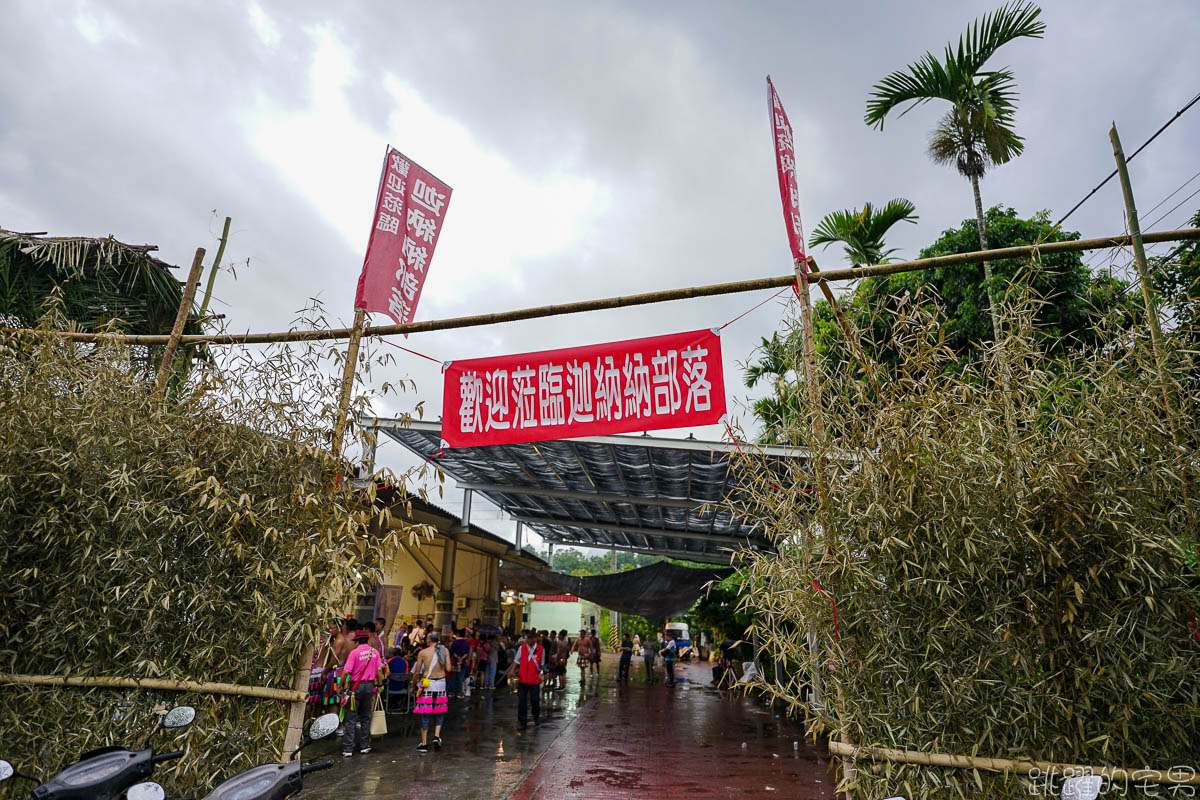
[101,280]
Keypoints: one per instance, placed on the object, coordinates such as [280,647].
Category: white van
[683,639]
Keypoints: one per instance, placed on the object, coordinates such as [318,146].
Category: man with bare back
[583,646]
[340,642]
[429,676]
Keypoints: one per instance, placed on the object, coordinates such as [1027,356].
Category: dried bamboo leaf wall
[204,539]
[1013,565]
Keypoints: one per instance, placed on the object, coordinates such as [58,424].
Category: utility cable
[1091,260]
[1113,174]
[1173,209]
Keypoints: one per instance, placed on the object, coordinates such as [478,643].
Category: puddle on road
[628,780]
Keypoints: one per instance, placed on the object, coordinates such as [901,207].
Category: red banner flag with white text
[408,220]
[659,382]
[785,161]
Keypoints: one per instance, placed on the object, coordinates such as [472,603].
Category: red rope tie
[755,308]
[733,436]
[742,453]
[436,454]
[414,352]
[1192,616]
[836,632]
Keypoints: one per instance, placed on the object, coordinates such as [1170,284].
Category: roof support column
[491,606]
[444,601]
[614,619]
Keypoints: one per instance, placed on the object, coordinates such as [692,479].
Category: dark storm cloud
[136,119]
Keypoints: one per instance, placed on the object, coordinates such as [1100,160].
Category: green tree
[1073,301]
[862,232]
[1176,276]
[720,610]
[774,366]
[977,132]
[570,561]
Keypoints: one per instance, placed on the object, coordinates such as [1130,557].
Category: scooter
[277,781]
[106,772]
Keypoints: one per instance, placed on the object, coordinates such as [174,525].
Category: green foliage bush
[1007,541]
[208,538]
[1075,306]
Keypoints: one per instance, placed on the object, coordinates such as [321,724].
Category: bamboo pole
[216,265]
[1163,777]
[1135,234]
[812,379]
[348,373]
[809,349]
[687,293]
[291,739]
[1139,257]
[848,328]
[204,687]
[185,306]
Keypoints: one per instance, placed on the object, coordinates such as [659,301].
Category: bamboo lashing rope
[713,290]
[1163,777]
[203,687]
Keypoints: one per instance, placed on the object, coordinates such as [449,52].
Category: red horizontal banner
[672,381]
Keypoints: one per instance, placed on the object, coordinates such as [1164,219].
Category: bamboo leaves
[208,538]
[1009,570]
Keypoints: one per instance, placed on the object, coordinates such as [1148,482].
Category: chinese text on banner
[785,160]
[647,384]
[408,220]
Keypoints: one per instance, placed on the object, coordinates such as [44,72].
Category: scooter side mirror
[6,770]
[145,791]
[320,728]
[179,717]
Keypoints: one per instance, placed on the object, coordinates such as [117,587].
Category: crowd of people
[355,661]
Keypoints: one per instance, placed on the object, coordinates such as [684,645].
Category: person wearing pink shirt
[363,668]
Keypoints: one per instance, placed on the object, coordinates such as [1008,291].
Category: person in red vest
[530,658]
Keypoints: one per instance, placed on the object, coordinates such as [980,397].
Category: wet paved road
[607,741]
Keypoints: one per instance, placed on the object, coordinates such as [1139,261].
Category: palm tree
[773,364]
[977,132]
[862,232]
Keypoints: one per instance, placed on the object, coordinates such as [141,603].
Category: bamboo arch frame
[1162,777]
[161,684]
[686,293]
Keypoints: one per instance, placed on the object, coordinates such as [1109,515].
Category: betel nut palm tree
[977,132]
[862,232]
[774,365]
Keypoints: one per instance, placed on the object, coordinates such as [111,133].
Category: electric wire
[1098,256]
[1113,174]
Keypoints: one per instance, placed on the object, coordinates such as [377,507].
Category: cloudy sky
[594,149]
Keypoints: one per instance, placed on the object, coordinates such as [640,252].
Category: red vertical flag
[408,220]
[785,161]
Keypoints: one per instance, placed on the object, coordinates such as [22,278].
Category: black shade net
[658,591]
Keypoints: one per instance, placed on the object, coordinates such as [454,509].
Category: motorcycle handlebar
[158,759]
[316,766]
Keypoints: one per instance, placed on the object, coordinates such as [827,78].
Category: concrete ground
[602,741]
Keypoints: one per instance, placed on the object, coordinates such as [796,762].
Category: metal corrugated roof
[640,493]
